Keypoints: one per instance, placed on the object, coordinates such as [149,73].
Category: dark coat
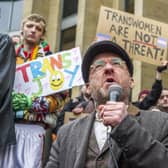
[7,75]
[152,98]
[140,141]
[69,106]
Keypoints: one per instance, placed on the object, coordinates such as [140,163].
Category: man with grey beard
[115,134]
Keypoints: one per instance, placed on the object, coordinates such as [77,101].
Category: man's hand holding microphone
[114,111]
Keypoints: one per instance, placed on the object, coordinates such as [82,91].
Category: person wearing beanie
[142,95]
[115,134]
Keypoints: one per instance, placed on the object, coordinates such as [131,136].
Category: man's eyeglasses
[115,62]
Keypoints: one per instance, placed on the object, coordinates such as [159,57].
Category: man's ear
[132,83]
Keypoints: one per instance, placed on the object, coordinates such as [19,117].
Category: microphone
[115,91]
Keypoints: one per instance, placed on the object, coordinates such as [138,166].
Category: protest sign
[143,39]
[70,116]
[49,75]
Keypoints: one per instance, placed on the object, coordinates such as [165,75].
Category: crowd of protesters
[132,141]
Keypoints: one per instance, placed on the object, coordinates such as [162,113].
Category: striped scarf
[40,50]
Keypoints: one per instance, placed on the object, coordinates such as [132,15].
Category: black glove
[161,68]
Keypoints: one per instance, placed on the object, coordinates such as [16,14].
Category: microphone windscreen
[115,91]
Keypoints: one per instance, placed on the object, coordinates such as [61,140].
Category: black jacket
[7,75]
[152,98]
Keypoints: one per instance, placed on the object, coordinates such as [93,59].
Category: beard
[101,95]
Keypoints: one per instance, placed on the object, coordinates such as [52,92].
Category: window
[10,15]
[68,26]
[69,7]
[68,38]
[129,6]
